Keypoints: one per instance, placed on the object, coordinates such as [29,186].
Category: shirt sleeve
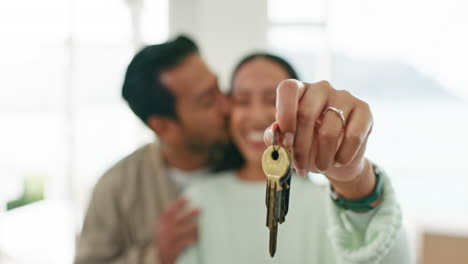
[102,238]
[373,237]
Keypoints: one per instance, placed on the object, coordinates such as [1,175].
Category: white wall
[224,30]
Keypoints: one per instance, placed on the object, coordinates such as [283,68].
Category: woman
[232,224]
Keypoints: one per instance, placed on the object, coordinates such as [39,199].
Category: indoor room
[75,100]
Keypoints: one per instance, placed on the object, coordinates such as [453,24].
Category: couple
[135,215]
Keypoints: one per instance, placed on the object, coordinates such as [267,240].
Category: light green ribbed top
[233,226]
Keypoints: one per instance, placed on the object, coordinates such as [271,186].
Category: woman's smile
[254,105]
[255,138]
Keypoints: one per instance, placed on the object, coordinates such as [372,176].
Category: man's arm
[102,239]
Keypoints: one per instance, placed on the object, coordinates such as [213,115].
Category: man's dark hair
[142,88]
[232,158]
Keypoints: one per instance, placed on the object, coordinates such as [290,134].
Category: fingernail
[322,172]
[338,165]
[302,172]
[299,83]
[288,140]
[268,136]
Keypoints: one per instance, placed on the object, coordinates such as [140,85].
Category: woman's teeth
[255,136]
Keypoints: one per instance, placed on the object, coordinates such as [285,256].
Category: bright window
[62,116]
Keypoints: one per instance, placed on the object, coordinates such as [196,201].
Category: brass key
[276,163]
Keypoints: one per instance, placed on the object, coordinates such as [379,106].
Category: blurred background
[63,122]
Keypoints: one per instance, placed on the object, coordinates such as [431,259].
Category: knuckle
[325,136]
[345,93]
[364,106]
[343,159]
[354,139]
[326,86]
[325,83]
[300,156]
[303,116]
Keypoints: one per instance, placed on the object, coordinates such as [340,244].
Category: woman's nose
[259,114]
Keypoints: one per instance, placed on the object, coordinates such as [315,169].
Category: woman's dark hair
[232,158]
[274,58]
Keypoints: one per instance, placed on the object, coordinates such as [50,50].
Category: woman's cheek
[271,112]
[235,121]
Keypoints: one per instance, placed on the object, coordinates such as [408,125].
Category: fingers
[175,207]
[358,128]
[320,141]
[186,233]
[176,229]
[289,93]
[190,230]
[176,215]
[331,129]
[187,217]
[181,240]
[183,244]
[308,113]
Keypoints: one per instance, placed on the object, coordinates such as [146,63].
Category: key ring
[276,137]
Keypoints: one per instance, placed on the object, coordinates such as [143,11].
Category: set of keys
[277,166]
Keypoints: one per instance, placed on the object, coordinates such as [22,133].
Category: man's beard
[198,146]
[214,149]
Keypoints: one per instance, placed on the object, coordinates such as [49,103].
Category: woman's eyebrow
[270,90]
[240,90]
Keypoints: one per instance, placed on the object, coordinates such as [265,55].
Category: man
[132,217]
